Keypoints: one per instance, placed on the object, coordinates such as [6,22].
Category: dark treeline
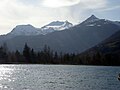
[47,56]
[98,58]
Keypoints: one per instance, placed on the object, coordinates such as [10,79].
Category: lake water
[58,77]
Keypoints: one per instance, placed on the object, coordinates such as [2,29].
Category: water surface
[58,77]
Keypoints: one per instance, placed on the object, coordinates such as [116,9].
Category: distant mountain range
[62,36]
[29,30]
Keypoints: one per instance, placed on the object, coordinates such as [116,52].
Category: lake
[58,77]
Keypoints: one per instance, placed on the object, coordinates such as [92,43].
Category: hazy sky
[41,12]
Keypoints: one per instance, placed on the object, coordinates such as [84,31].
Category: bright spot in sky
[59,3]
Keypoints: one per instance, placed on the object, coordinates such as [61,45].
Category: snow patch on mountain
[91,25]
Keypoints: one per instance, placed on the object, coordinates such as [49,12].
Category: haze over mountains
[62,36]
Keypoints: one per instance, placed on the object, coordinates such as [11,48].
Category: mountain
[105,53]
[110,45]
[28,30]
[22,30]
[117,23]
[91,19]
[56,26]
[75,39]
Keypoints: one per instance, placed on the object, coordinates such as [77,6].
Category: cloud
[59,3]
[15,13]
[93,4]
[88,4]
[30,2]
[109,8]
[41,12]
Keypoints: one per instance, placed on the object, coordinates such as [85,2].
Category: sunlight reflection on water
[58,77]
[5,76]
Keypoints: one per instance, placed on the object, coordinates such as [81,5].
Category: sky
[41,12]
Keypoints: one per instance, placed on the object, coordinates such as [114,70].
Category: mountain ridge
[28,29]
[73,40]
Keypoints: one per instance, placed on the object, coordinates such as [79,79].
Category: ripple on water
[59,77]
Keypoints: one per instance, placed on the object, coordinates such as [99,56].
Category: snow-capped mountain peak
[55,23]
[91,19]
[67,24]
[56,26]
[24,30]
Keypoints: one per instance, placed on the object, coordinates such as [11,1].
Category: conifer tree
[26,53]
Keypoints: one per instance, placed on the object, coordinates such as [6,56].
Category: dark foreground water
[60,77]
